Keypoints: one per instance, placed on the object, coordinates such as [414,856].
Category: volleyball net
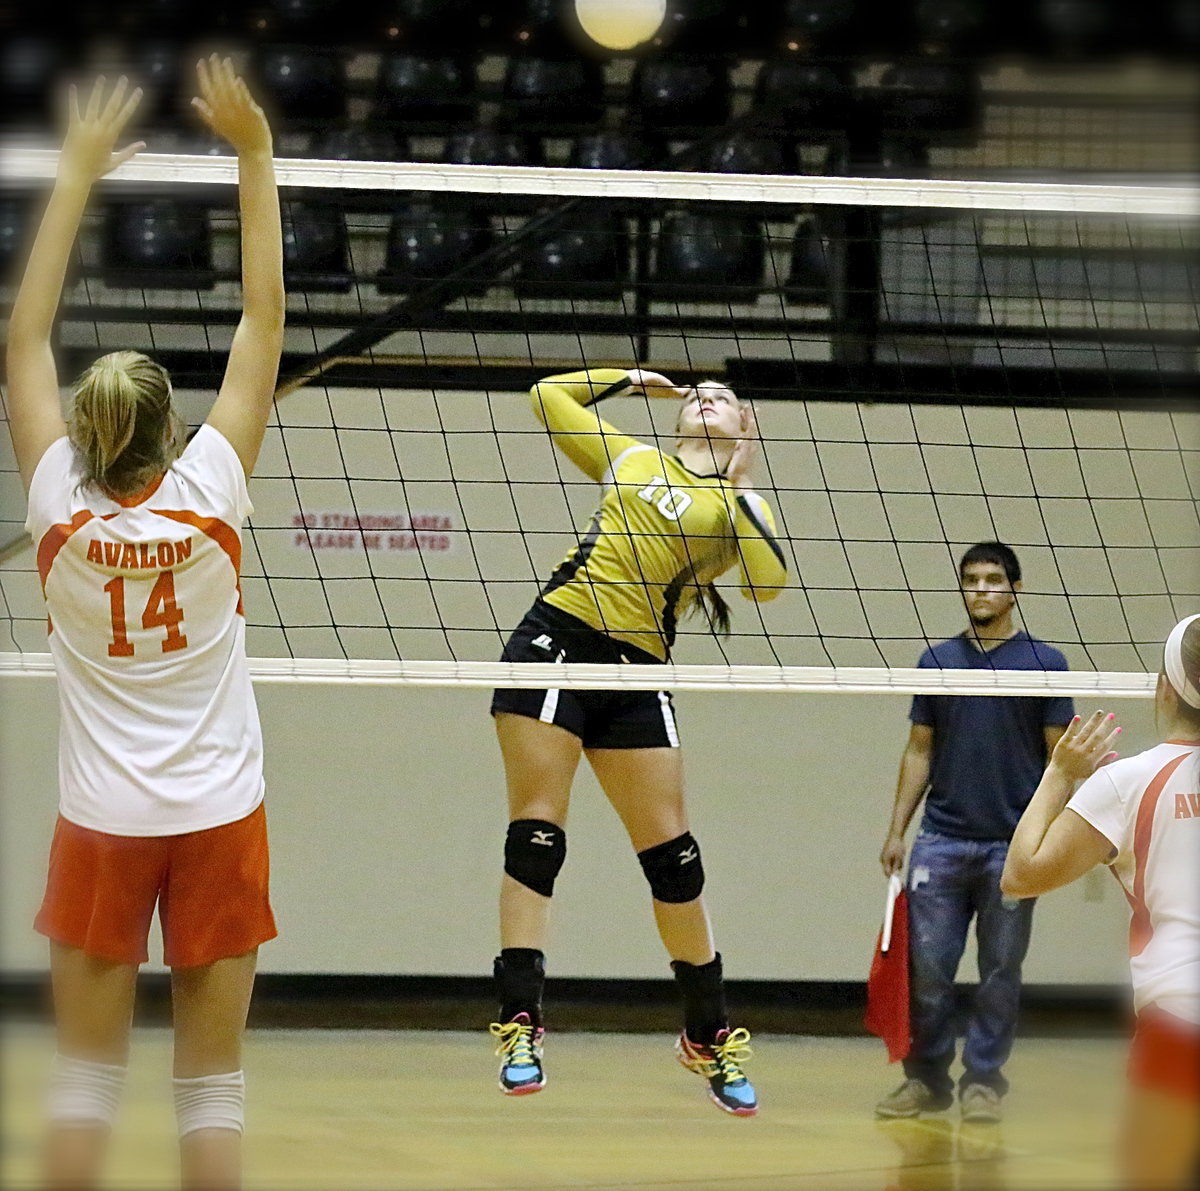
[932,364]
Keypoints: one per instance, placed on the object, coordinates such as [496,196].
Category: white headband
[1173,664]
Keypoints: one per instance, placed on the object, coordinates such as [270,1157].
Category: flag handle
[889,911]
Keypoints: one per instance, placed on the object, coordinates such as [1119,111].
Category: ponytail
[121,420]
[710,601]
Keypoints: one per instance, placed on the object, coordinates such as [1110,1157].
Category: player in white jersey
[138,540]
[1141,816]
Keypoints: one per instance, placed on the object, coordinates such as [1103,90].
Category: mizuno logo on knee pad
[674,869]
[534,852]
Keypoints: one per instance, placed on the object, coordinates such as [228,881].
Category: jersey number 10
[670,502]
[161,611]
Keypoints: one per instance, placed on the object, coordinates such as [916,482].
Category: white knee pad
[211,1102]
[82,1092]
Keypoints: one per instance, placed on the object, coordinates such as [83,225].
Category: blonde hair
[123,423]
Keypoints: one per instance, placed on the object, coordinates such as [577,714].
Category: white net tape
[873,680]
[1178,202]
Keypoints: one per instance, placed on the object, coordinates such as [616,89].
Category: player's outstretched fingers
[1087,744]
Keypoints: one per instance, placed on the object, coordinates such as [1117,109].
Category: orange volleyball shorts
[1165,1054]
[211,889]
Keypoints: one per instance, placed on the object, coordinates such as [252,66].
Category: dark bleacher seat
[419,89]
[680,93]
[430,236]
[306,84]
[157,244]
[802,97]
[15,215]
[30,66]
[706,254]
[586,256]
[613,150]
[316,249]
[816,259]
[553,94]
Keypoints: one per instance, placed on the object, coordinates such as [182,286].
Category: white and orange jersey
[1148,806]
[159,732]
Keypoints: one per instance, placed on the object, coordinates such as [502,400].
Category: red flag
[887,986]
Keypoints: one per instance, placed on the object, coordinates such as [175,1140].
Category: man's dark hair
[996,552]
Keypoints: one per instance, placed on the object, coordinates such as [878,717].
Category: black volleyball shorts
[601,719]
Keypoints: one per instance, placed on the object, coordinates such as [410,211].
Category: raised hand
[88,147]
[227,107]
[1085,746]
[654,384]
[741,462]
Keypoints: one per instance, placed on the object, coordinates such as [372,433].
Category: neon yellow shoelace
[732,1053]
[516,1042]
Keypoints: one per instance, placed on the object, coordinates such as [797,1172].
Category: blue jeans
[950,881]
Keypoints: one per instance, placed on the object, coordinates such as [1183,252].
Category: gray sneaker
[912,1098]
[980,1104]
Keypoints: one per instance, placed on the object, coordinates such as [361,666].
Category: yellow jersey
[661,531]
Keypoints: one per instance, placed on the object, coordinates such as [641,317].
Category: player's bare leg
[93,1008]
[210,1006]
[1160,1142]
[539,766]
[645,787]
[540,761]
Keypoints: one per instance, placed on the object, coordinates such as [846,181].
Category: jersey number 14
[161,611]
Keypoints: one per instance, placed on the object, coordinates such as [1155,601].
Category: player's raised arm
[1049,848]
[34,412]
[760,558]
[244,402]
[563,404]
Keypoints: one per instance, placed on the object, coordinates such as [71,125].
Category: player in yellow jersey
[666,528]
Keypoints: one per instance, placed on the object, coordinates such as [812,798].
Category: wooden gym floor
[420,1111]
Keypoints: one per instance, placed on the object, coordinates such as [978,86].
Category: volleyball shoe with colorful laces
[520,1051]
[721,1065]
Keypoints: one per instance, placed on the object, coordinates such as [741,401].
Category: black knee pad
[674,869]
[534,852]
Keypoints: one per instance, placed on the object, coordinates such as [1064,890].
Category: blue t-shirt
[989,751]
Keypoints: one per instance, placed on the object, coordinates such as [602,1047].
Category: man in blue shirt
[978,759]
